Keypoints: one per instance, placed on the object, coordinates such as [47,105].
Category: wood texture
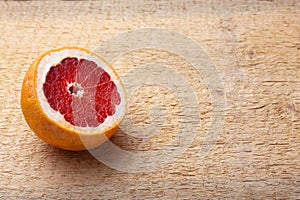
[255,46]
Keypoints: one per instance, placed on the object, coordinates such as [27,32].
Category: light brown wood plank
[255,47]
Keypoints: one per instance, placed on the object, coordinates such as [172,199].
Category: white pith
[52,59]
[79,93]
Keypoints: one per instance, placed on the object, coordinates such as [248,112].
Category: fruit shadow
[71,167]
[79,166]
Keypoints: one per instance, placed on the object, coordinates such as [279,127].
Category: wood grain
[255,47]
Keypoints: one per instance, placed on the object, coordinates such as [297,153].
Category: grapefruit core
[72,98]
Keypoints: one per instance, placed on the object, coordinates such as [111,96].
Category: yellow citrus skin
[48,130]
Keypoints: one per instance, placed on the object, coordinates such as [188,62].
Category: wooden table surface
[255,47]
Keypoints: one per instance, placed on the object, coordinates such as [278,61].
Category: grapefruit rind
[49,124]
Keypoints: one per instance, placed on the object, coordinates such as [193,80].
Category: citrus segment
[70,92]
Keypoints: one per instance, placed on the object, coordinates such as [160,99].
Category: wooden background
[255,46]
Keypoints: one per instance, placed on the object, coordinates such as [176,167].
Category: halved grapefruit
[72,98]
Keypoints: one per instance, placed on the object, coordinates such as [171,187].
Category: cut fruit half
[72,99]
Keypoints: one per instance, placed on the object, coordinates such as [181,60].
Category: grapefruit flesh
[81,88]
